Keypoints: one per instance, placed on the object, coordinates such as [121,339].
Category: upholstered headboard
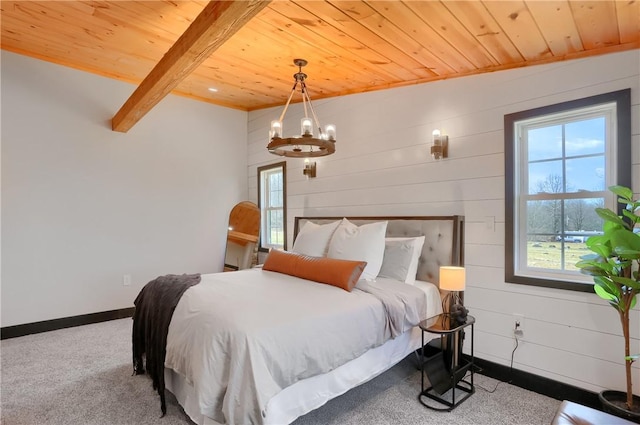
[443,244]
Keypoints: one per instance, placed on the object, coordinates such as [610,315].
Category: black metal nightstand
[451,369]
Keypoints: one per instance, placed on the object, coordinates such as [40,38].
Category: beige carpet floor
[83,375]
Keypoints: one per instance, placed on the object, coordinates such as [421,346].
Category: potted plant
[614,265]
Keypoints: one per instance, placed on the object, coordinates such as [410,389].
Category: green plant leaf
[606,289]
[623,192]
[633,302]
[632,358]
[593,271]
[597,240]
[595,266]
[583,264]
[625,239]
[608,285]
[600,244]
[608,215]
[626,282]
[603,251]
[630,215]
[589,257]
[604,294]
[626,253]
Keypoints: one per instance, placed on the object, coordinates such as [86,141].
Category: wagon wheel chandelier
[305,145]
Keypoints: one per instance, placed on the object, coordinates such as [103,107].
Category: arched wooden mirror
[242,236]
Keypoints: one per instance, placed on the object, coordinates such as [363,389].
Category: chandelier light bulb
[330,131]
[307,127]
[276,129]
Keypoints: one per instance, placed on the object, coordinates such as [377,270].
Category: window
[559,162]
[272,200]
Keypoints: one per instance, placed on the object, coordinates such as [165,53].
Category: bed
[294,344]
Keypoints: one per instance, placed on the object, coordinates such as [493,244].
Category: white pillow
[363,243]
[313,239]
[401,258]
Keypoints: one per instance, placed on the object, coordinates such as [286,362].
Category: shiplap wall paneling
[382,167]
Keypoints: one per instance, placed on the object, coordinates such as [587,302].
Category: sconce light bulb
[439,149]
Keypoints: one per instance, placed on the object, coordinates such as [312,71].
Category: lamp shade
[452,278]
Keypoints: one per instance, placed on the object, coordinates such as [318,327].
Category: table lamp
[452,279]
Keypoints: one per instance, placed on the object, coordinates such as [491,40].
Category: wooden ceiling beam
[217,22]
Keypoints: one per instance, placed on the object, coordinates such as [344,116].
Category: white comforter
[240,338]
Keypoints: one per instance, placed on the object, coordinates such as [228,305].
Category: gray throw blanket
[154,308]
[404,304]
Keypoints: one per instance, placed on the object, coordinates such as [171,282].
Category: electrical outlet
[518,324]
[126,280]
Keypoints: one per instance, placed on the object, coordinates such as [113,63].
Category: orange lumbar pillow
[341,273]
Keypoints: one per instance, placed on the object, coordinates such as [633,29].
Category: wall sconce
[309,169]
[440,148]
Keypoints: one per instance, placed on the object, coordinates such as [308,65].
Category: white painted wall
[83,205]
[382,167]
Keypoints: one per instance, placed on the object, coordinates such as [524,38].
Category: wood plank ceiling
[351,46]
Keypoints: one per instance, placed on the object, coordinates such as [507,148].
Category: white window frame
[617,154]
[265,208]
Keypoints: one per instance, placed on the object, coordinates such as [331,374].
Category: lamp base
[449,300]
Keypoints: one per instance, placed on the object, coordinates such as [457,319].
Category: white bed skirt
[311,393]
